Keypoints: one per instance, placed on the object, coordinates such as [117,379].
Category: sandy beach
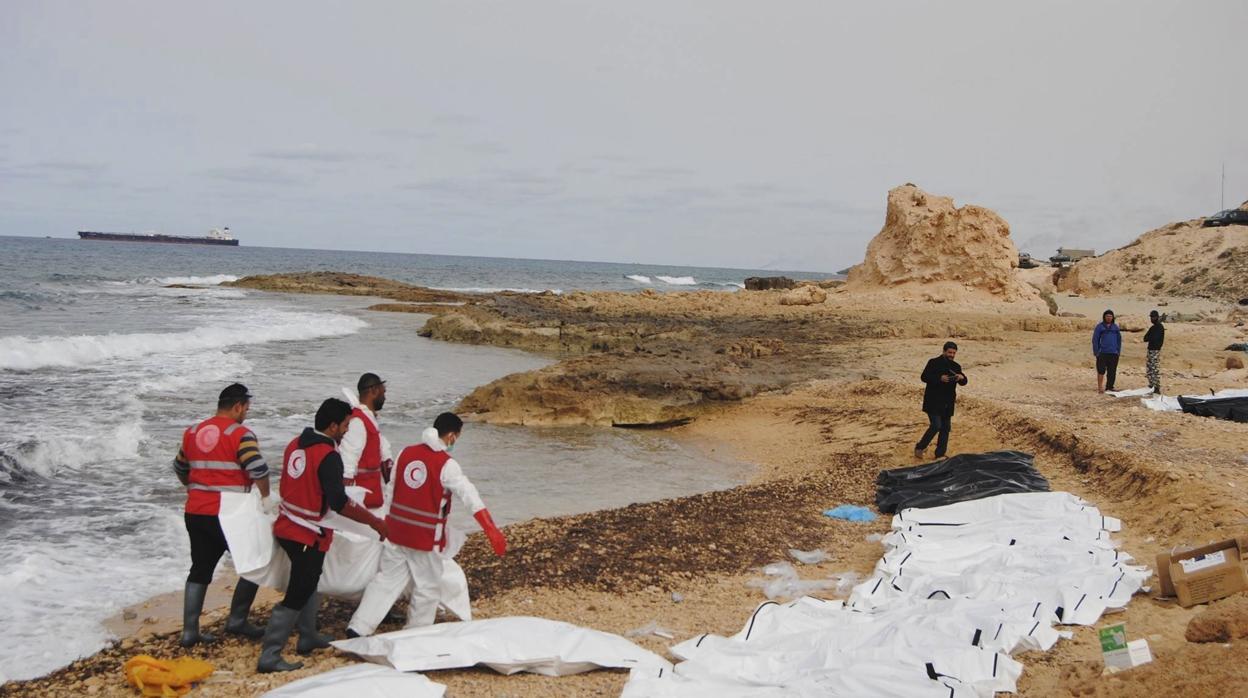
[818,387]
[821,398]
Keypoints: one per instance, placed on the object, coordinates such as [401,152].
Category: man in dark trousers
[1106,347]
[311,486]
[942,375]
[217,455]
[1155,336]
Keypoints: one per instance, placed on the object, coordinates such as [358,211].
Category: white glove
[268,505]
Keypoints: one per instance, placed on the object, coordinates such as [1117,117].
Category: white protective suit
[423,570]
[352,445]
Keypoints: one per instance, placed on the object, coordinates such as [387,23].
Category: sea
[106,356]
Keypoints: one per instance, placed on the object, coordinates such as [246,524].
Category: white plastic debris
[809,557]
[651,628]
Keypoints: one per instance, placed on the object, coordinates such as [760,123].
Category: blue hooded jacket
[1106,339]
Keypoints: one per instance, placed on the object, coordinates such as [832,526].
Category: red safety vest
[211,447]
[421,506]
[303,502]
[368,472]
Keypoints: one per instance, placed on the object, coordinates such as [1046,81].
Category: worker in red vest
[217,455]
[365,453]
[311,486]
[424,479]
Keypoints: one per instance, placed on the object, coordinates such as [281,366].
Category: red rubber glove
[497,540]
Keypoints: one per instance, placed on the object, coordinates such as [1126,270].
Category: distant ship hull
[174,239]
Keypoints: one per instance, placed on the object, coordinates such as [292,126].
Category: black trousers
[1107,365]
[306,563]
[207,546]
[938,423]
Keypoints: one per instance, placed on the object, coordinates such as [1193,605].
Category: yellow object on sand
[165,678]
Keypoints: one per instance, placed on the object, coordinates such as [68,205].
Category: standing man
[1155,336]
[1106,347]
[424,481]
[365,453]
[217,455]
[311,486]
[942,376]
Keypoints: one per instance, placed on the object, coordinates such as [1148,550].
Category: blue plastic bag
[851,512]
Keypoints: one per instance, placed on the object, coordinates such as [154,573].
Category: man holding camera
[942,376]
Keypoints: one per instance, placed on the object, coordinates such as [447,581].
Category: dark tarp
[961,478]
[1232,408]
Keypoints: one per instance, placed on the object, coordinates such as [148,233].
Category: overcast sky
[717,133]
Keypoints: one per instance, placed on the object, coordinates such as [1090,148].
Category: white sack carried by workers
[361,681]
[959,589]
[507,645]
[350,564]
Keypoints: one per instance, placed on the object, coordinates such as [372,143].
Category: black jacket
[1155,336]
[939,397]
[329,474]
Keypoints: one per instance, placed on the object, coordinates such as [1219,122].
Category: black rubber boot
[276,633]
[240,606]
[192,606]
[309,639]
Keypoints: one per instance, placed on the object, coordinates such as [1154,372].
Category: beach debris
[165,677]
[875,537]
[782,582]
[677,597]
[809,557]
[850,512]
[651,628]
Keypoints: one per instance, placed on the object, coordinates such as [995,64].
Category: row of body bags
[351,563]
[959,589]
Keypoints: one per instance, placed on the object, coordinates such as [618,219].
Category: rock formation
[931,250]
[1179,259]
[804,295]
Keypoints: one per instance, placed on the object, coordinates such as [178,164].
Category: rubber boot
[309,639]
[276,633]
[192,606]
[240,606]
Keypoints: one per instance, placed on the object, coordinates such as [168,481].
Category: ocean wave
[55,598]
[678,280]
[639,278]
[48,453]
[28,354]
[214,280]
[490,289]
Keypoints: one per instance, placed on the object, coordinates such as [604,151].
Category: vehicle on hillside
[1026,261]
[1067,256]
[1231,216]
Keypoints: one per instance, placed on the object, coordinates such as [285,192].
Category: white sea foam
[490,289]
[678,280]
[639,278]
[27,354]
[214,280]
[48,454]
[54,597]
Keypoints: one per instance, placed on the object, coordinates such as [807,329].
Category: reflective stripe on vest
[211,451]
[421,506]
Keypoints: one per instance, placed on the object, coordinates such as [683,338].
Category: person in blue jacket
[1106,346]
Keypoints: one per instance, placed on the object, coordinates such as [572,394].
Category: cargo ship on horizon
[216,236]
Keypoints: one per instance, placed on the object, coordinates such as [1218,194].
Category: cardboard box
[1204,574]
